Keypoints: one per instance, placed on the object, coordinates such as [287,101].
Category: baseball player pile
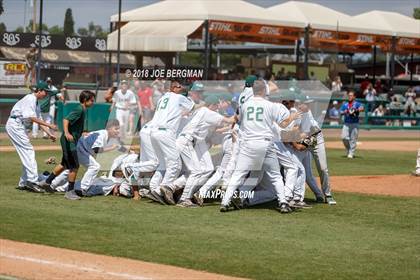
[267,151]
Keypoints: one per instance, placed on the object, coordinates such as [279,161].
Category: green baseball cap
[249,81]
[212,99]
[41,85]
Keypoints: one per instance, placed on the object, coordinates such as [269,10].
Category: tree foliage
[68,27]
[1,7]
[28,28]
[2,27]
[416,13]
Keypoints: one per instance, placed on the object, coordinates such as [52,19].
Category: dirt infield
[402,146]
[376,133]
[396,185]
[30,261]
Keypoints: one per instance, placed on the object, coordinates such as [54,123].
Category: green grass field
[364,236]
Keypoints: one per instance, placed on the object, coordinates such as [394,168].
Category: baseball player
[350,132]
[316,146]
[24,112]
[148,161]
[256,146]
[194,149]
[221,171]
[88,148]
[45,106]
[73,125]
[166,121]
[123,101]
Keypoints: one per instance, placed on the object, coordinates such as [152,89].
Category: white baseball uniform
[294,170]
[319,155]
[256,150]
[123,104]
[194,149]
[148,160]
[221,169]
[166,122]
[86,155]
[15,128]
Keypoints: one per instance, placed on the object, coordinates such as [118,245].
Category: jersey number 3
[254,113]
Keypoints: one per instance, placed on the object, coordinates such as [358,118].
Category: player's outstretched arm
[293,116]
[43,123]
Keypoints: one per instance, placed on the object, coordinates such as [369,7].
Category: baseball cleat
[33,187]
[320,199]
[224,208]
[21,188]
[415,173]
[301,205]
[330,200]
[157,197]
[187,203]
[236,203]
[168,195]
[350,156]
[71,195]
[284,208]
[45,186]
[198,199]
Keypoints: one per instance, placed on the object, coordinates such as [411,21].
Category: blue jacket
[345,108]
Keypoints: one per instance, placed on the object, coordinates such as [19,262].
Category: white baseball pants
[20,140]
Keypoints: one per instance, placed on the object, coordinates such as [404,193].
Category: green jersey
[76,120]
[44,103]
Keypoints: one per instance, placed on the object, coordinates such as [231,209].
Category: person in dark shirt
[73,125]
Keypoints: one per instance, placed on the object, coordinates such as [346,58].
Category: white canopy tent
[324,18]
[399,25]
[226,10]
[166,25]
[155,36]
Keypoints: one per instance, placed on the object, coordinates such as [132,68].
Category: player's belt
[15,117]
[162,128]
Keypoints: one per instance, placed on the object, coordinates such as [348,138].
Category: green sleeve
[74,115]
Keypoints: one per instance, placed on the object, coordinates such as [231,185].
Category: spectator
[336,84]
[410,104]
[145,99]
[395,106]
[270,81]
[312,76]
[379,112]
[364,84]
[123,100]
[281,75]
[30,60]
[334,114]
[370,97]
[378,86]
